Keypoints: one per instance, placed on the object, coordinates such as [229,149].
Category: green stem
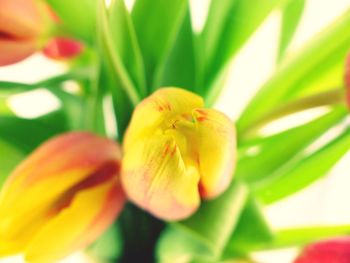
[9,86]
[335,96]
[140,233]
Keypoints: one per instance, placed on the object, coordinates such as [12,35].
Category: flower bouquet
[137,163]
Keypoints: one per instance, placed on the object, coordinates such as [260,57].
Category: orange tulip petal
[15,50]
[21,18]
[65,165]
[69,230]
[217,151]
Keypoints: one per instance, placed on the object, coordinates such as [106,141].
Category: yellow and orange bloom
[61,198]
[24,25]
[175,153]
[21,24]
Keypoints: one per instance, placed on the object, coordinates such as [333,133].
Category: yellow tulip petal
[59,165]
[156,178]
[217,144]
[157,112]
[68,231]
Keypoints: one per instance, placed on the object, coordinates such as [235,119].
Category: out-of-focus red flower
[329,251]
[62,48]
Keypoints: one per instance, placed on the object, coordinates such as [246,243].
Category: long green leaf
[214,222]
[113,73]
[156,23]
[303,171]
[125,43]
[275,150]
[252,230]
[15,143]
[78,16]
[9,87]
[108,49]
[304,235]
[291,15]
[316,67]
[175,245]
[10,157]
[230,23]
[177,71]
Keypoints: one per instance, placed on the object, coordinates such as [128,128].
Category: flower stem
[327,98]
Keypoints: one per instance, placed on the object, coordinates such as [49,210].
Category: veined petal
[156,178]
[216,149]
[14,50]
[70,230]
[157,112]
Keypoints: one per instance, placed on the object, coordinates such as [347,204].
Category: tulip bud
[62,48]
[61,198]
[21,23]
[336,250]
[347,79]
[175,153]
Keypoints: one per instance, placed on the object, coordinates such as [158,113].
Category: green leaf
[303,171]
[8,87]
[275,150]
[111,56]
[175,245]
[79,17]
[229,25]
[316,67]
[10,157]
[113,74]
[304,235]
[74,108]
[109,246]
[156,24]
[251,231]
[15,143]
[213,223]
[177,71]
[125,41]
[11,130]
[291,15]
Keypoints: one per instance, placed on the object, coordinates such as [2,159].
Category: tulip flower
[329,251]
[61,198]
[24,27]
[175,153]
[62,48]
[21,24]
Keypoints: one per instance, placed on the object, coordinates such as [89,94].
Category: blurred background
[324,202]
